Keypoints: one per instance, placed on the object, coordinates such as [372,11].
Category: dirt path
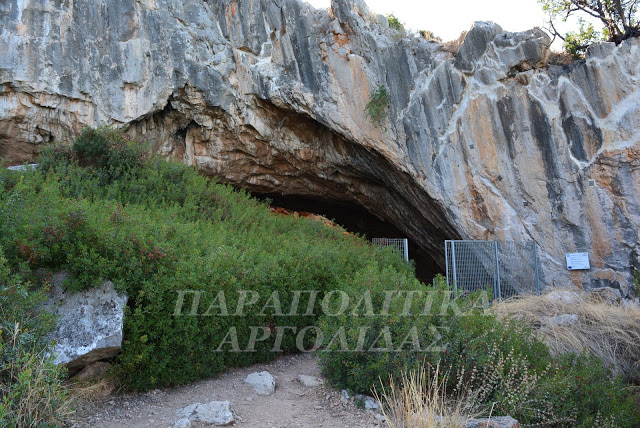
[292,405]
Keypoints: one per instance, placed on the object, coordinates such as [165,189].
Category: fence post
[497,291]
[495,273]
[453,261]
[406,249]
[536,274]
[446,260]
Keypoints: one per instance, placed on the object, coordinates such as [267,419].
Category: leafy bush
[577,42]
[581,392]
[395,23]
[498,365]
[159,229]
[187,249]
[378,105]
[107,151]
[31,391]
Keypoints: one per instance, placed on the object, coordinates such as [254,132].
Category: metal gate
[508,268]
[399,245]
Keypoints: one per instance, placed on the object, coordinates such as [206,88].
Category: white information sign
[578,261]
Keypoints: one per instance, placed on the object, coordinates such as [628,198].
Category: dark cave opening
[355,218]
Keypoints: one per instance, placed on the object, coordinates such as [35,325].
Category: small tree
[395,23]
[576,42]
[619,18]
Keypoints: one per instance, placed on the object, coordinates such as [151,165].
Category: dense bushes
[107,152]
[163,233]
[498,366]
[215,281]
[31,391]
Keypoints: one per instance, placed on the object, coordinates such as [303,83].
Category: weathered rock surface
[23,167]
[489,143]
[262,383]
[89,324]
[564,297]
[310,381]
[369,403]
[562,320]
[93,370]
[213,413]
[495,422]
[606,295]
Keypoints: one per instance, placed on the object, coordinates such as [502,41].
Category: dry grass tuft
[420,402]
[92,390]
[609,332]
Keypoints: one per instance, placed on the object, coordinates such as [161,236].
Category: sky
[448,19]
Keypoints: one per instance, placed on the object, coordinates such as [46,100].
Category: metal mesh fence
[507,268]
[518,268]
[399,245]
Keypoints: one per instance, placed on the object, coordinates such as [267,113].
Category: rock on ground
[562,320]
[263,383]
[496,422]
[564,296]
[292,404]
[310,381]
[605,295]
[93,370]
[213,413]
[369,403]
[89,326]
[182,423]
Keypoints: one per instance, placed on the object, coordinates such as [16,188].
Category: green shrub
[395,23]
[106,154]
[500,367]
[160,228]
[354,366]
[176,242]
[31,391]
[578,388]
[577,42]
[378,105]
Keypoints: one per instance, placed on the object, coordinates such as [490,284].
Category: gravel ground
[292,404]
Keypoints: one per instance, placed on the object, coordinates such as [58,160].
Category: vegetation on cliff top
[618,17]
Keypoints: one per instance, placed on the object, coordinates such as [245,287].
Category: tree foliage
[619,19]
[576,42]
[395,23]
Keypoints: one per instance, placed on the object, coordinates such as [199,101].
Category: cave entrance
[356,219]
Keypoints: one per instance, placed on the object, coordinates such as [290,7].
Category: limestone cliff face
[486,143]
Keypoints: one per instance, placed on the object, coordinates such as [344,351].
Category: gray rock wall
[488,143]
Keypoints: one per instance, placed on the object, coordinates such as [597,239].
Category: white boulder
[263,383]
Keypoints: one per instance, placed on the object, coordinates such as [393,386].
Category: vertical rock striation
[490,142]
